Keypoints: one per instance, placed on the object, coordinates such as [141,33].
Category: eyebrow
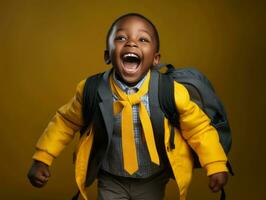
[143,30]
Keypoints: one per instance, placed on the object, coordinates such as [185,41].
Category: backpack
[202,93]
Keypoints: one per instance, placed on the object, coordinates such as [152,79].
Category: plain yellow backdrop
[47,47]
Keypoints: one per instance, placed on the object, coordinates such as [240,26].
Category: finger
[44,179]
[41,178]
[46,173]
[216,188]
[212,183]
[37,183]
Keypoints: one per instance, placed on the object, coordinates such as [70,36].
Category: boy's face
[132,49]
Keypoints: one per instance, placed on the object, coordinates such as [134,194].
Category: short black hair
[134,15]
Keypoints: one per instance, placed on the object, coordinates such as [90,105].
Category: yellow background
[47,47]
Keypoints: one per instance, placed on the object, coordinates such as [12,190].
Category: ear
[156,59]
[107,59]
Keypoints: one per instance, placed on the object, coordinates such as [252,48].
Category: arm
[202,137]
[59,132]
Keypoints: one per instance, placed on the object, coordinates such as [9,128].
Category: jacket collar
[106,105]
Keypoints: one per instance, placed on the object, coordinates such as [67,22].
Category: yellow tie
[124,105]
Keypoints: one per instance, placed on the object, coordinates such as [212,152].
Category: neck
[124,82]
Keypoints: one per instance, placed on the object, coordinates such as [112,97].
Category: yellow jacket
[196,132]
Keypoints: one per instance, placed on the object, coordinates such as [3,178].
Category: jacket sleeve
[61,129]
[199,133]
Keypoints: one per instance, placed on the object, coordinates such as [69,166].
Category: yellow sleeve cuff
[43,157]
[215,167]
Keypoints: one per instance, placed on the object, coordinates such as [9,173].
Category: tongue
[130,65]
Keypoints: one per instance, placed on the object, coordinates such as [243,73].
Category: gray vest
[103,124]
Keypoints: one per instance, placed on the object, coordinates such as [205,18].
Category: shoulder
[80,86]
[87,81]
[181,95]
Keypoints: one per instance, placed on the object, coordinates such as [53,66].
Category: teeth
[130,55]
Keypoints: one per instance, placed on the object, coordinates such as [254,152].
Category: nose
[131,43]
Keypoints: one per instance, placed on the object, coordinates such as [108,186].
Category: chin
[128,80]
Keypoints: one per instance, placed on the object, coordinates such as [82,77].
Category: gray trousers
[111,187]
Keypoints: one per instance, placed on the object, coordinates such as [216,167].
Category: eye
[120,38]
[142,39]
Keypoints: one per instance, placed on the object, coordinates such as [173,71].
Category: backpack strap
[76,196]
[157,116]
[222,197]
[156,113]
[167,101]
[90,100]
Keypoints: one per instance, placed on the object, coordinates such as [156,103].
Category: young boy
[120,149]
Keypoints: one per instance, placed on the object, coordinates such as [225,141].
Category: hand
[217,181]
[39,174]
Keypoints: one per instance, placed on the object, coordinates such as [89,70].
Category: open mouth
[131,62]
